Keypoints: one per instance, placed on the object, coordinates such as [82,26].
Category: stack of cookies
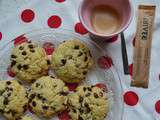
[48,95]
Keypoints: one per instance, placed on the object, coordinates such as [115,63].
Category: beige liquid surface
[105,20]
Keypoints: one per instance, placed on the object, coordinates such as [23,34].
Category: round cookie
[71,61]
[13,99]
[29,62]
[48,96]
[88,103]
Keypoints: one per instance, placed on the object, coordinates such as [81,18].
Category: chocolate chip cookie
[48,96]
[13,99]
[88,103]
[71,61]
[29,62]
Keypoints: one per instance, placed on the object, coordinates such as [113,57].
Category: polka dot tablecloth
[140,104]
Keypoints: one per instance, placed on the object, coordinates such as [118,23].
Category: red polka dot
[20,39]
[113,39]
[54,21]
[64,115]
[134,41]
[48,47]
[102,86]
[105,62]
[131,69]
[59,1]
[79,28]
[0,36]
[131,98]
[9,72]
[27,15]
[157,106]
[72,86]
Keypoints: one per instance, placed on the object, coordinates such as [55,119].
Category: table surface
[140,104]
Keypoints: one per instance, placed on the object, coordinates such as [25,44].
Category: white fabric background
[11,26]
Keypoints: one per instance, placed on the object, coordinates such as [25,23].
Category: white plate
[96,75]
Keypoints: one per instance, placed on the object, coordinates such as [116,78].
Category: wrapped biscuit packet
[142,51]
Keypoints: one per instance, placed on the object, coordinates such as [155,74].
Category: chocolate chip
[27,93]
[63,93]
[21,48]
[9,94]
[88,109]
[30,46]
[77,66]
[84,89]
[11,89]
[80,118]
[53,108]
[52,76]
[1,111]
[5,102]
[92,86]
[74,110]
[19,82]
[84,72]
[7,89]
[88,94]
[39,96]
[45,107]
[19,66]
[33,103]
[80,54]
[86,105]
[1,92]
[76,47]
[13,113]
[25,108]
[80,99]
[37,84]
[30,109]
[86,58]
[81,110]
[24,53]
[30,100]
[44,99]
[13,63]
[54,86]
[48,62]
[13,56]
[69,57]
[90,54]
[64,104]
[8,82]
[32,96]
[32,81]
[29,89]
[85,52]
[63,61]
[95,95]
[32,50]
[25,67]
[9,111]
[89,89]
